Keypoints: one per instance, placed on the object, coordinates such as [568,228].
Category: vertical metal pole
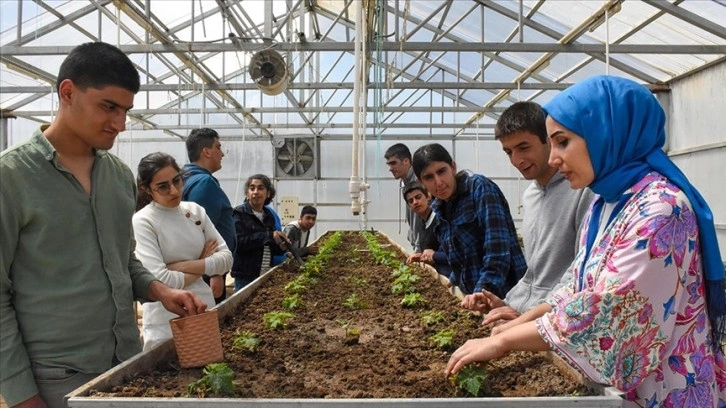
[4,143]
[19,21]
[268,19]
[521,20]
[147,10]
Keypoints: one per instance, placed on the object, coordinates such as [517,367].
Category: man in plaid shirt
[476,229]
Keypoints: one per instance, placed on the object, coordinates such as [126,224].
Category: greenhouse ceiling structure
[327,69]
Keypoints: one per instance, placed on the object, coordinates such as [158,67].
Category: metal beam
[309,109]
[322,137]
[690,18]
[48,28]
[322,85]
[311,126]
[330,46]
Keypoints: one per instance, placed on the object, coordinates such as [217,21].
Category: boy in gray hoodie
[553,213]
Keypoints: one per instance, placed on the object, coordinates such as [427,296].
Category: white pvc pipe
[354,185]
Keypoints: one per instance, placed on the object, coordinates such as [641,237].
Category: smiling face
[257,193]
[439,178]
[568,152]
[95,116]
[166,187]
[529,155]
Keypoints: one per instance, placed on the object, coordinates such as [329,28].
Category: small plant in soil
[352,336]
[217,380]
[358,281]
[355,302]
[404,283]
[443,339]
[474,379]
[246,341]
[300,284]
[431,318]
[313,267]
[292,302]
[412,300]
[401,270]
[276,320]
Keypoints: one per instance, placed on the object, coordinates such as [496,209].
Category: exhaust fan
[269,71]
[296,158]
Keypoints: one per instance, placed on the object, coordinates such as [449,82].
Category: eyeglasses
[165,188]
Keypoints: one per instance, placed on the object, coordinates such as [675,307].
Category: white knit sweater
[165,235]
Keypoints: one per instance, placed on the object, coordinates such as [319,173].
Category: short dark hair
[412,187]
[197,140]
[97,65]
[522,117]
[265,182]
[308,209]
[427,154]
[148,167]
[399,150]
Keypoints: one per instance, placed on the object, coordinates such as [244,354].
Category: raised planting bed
[352,327]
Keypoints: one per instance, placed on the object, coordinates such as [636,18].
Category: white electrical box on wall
[289,211]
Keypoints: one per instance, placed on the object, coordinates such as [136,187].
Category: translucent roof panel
[434,67]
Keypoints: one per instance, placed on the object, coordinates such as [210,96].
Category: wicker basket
[197,339]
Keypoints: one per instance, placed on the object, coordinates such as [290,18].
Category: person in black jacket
[257,238]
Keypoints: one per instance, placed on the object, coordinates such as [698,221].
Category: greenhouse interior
[312,93]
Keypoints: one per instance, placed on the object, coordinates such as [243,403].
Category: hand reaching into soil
[483,302]
[500,315]
[484,349]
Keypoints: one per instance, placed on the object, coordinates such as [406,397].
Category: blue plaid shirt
[477,233]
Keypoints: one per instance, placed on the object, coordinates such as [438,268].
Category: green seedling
[443,338]
[413,300]
[401,270]
[473,379]
[358,281]
[217,380]
[404,283]
[292,302]
[295,286]
[355,302]
[276,320]
[246,341]
[431,318]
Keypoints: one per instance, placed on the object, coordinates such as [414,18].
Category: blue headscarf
[624,128]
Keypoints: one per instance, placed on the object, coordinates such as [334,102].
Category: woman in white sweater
[175,240]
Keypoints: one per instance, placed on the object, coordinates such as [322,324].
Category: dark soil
[393,356]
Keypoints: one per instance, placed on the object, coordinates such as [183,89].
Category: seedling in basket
[246,341]
[276,320]
[217,380]
[474,379]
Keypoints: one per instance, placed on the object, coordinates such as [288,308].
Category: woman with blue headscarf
[645,309]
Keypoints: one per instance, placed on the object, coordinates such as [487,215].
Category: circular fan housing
[269,72]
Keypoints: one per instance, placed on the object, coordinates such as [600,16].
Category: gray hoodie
[553,215]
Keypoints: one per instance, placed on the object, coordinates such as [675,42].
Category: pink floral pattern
[640,322]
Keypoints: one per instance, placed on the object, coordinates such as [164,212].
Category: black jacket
[252,236]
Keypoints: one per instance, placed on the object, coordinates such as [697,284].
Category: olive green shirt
[68,274]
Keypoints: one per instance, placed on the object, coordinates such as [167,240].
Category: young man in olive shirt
[68,274]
